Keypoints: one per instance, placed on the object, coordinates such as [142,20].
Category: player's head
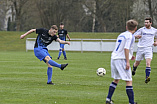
[61,25]
[131,25]
[148,22]
[53,30]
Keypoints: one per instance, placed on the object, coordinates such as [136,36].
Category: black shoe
[135,102]
[65,58]
[147,79]
[50,83]
[109,102]
[63,66]
[133,72]
[57,58]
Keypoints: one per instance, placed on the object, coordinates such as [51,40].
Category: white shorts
[118,70]
[142,52]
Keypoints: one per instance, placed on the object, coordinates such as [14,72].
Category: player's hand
[133,58]
[127,66]
[68,43]
[155,43]
[138,36]
[22,36]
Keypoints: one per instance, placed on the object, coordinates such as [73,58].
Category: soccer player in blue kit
[62,33]
[44,38]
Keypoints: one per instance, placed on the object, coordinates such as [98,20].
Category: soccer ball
[101,72]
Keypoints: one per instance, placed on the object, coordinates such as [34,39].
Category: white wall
[82,45]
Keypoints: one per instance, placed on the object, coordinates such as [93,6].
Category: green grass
[23,80]
[10,41]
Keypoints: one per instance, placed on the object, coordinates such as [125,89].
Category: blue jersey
[44,38]
[62,34]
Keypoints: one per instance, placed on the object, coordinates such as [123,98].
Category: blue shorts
[62,45]
[41,53]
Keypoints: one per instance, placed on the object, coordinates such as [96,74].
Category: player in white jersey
[120,65]
[145,46]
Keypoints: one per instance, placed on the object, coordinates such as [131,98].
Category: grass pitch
[23,80]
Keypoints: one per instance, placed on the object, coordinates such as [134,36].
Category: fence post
[101,45]
[81,45]
[26,45]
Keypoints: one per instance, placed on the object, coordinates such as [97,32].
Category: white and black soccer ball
[101,72]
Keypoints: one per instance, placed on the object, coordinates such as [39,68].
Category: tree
[143,9]
[110,15]
[18,6]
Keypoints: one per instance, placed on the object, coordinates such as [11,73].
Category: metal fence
[82,45]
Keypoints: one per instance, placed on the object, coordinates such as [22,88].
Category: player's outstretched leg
[53,63]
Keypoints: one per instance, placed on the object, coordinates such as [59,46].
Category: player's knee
[128,83]
[60,49]
[116,81]
[49,65]
[47,58]
[148,64]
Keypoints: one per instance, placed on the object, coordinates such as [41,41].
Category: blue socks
[134,68]
[130,93]
[111,90]
[53,63]
[60,52]
[148,70]
[49,74]
[64,53]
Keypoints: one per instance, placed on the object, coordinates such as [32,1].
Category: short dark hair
[149,18]
[54,27]
[131,24]
[61,23]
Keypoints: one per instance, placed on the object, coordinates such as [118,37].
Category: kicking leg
[53,63]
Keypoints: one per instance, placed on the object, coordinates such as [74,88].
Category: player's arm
[138,36]
[138,33]
[127,58]
[62,41]
[68,37]
[127,50]
[133,58]
[29,32]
